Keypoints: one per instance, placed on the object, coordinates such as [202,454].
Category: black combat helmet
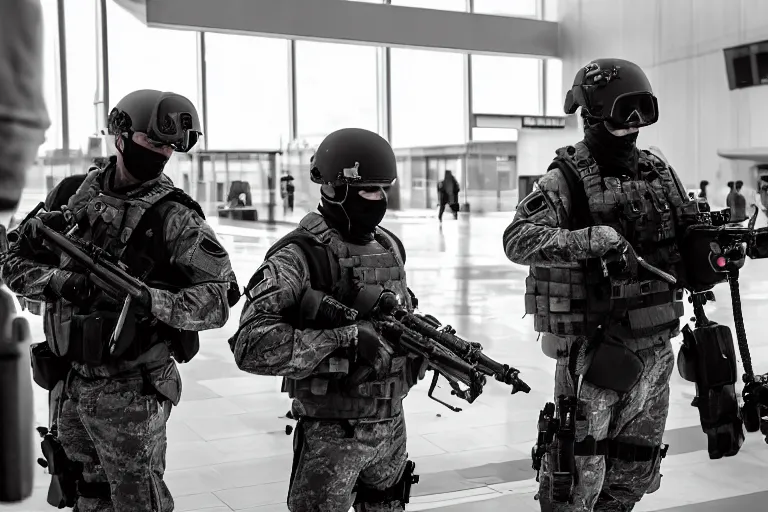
[167,118]
[354,157]
[613,90]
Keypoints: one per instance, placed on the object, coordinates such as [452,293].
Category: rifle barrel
[104,270]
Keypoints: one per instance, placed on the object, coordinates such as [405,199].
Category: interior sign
[543,122]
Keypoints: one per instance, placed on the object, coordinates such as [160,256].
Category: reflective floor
[227,444]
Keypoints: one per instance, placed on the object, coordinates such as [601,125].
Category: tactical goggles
[173,125]
[633,110]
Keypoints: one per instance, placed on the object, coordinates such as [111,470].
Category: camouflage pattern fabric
[266,344]
[637,417]
[118,433]
[535,237]
[538,237]
[330,461]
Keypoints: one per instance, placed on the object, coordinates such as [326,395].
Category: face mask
[364,214]
[140,162]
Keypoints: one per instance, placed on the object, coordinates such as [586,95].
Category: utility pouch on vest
[708,358]
[184,345]
[47,368]
[89,335]
[609,364]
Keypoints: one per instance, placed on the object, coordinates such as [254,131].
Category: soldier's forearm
[197,308]
[282,350]
[27,278]
[531,244]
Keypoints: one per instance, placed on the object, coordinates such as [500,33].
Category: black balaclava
[354,216]
[613,154]
[140,162]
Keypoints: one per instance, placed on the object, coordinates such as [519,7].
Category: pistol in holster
[557,430]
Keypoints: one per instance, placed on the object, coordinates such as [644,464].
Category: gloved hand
[368,344]
[621,263]
[73,287]
[54,220]
[603,239]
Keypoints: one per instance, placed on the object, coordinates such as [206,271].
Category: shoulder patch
[533,203]
[262,283]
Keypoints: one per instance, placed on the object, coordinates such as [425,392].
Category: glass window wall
[427,98]
[335,88]
[506,85]
[248,92]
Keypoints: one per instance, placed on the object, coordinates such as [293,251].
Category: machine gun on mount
[457,360]
[714,252]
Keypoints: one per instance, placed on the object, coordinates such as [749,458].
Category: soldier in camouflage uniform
[604,200]
[347,381]
[113,417]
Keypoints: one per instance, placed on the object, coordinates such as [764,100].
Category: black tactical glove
[54,220]
[73,287]
[368,344]
[621,263]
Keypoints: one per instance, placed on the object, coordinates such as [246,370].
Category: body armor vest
[575,299]
[325,394]
[114,223]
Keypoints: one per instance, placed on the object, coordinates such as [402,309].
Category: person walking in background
[762,191]
[448,192]
[737,203]
[703,189]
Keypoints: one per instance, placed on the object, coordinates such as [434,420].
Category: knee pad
[708,358]
[400,491]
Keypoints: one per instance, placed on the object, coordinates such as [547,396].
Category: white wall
[536,147]
[679,44]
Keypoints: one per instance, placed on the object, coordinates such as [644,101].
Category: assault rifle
[557,424]
[106,272]
[457,360]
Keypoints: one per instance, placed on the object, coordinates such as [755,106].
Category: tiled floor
[227,444]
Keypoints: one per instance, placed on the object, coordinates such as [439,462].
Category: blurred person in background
[23,122]
[703,189]
[114,397]
[448,194]
[737,203]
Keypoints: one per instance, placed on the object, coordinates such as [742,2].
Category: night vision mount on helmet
[167,118]
[613,90]
[354,157]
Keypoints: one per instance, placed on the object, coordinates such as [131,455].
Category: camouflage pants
[118,433]
[637,417]
[331,460]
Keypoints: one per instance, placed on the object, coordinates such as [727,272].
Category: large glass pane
[506,85]
[248,92]
[518,8]
[149,58]
[494,134]
[427,98]
[336,88]
[440,5]
[555,87]
[51,86]
[82,70]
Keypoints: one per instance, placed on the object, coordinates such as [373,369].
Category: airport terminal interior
[475,87]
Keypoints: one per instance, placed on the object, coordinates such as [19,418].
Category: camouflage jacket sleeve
[266,343]
[192,247]
[537,235]
[26,277]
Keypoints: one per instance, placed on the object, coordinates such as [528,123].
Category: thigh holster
[619,450]
[401,491]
